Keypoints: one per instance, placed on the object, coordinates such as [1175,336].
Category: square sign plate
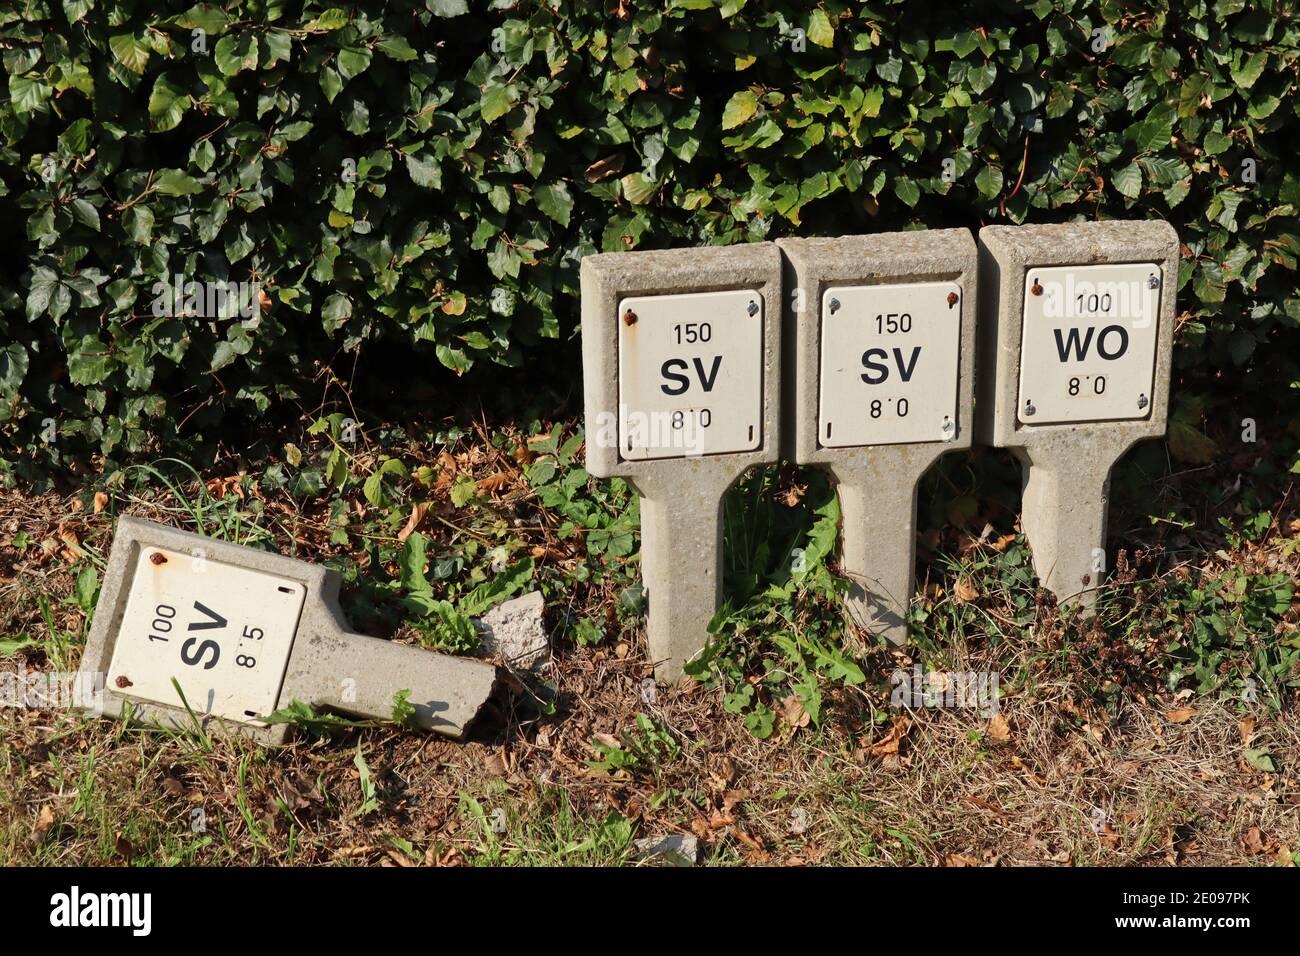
[1088,347]
[224,632]
[690,374]
[889,364]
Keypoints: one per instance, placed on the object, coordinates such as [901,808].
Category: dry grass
[1057,778]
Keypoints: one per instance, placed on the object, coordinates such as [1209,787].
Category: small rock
[677,849]
[514,632]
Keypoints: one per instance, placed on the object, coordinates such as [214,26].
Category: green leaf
[353,61]
[167,103]
[742,105]
[397,48]
[447,8]
[28,95]
[336,311]
[989,181]
[173,182]
[13,369]
[493,592]
[411,561]
[638,188]
[1128,180]
[129,50]
[138,223]
[907,191]
[424,171]
[496,101]
[554,201]
[820,29]
[1259,758]
[85,213]
[44,282]
[373,488]
[235,52]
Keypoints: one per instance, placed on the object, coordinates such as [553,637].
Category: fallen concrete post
[681,368]
[883,341]
[245,632]
[1075,351]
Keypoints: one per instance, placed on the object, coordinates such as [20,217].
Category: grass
[1159,730]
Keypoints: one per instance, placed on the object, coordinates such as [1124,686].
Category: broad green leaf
[447,8]
[235,52]
[742,105]
[554,201]
[129,50]
[167,103]
[174,182]
[820,29]
[1128,180]
[496,101]
[424,171]
[989,181]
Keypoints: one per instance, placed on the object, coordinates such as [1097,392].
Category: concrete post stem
[1066,496]
[681,527]
[361,675]
[879,549]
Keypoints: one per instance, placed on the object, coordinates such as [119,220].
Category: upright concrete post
[189,627]
[1074,369]
[883,343]
[681,370]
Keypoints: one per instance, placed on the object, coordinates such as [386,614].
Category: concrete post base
[681,566]
[877,493]
[359,675]
[878,551]
[1065,499]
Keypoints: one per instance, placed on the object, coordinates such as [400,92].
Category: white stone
[679,849]
[513,632]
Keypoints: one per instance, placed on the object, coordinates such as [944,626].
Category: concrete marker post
[245,632]
[878,402]
[681,369]
[1074,370]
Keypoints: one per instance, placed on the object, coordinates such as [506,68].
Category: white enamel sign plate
[1088,351]
[223,632]
[690,374]
[889,357]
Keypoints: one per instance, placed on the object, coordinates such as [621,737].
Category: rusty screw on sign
[952,299]
[629,317]
[1036,288]
[123,682]
[157,558]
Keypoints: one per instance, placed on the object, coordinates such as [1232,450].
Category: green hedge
[430,176]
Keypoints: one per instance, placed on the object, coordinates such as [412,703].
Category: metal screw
[753,308]
[1029,407]
[1142,401]
[1153,281]
[1036,288]
[629,317]
[952,299]
[123,682]
[157,558]
[835,306]
[948,428]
